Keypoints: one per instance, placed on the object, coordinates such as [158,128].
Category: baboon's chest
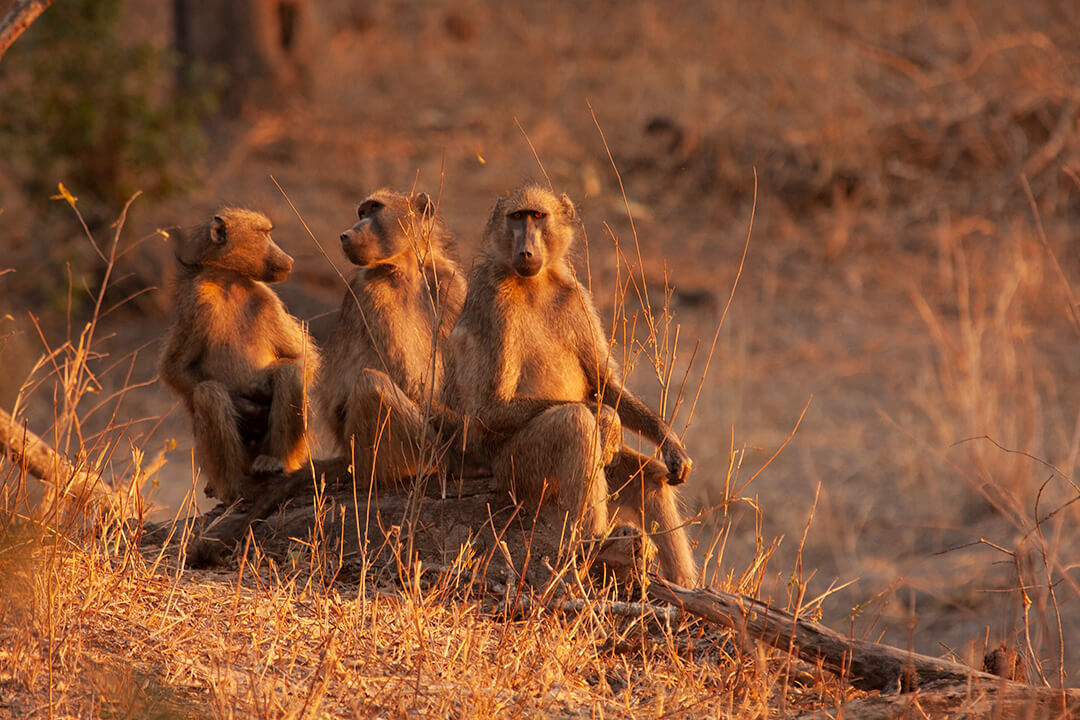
[244,327]
[543,356]
[396,332]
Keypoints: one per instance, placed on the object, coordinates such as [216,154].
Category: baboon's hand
[260,389]
[252,417]
[677,460]
[248,410]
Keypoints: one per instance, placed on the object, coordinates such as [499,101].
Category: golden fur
[532,364]
[236,357]
[384,361]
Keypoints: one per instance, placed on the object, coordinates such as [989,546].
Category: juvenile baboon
[532,364]
[384,362]
[238,360]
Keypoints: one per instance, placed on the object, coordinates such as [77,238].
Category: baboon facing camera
[236,357]
[383,374]
[531,363]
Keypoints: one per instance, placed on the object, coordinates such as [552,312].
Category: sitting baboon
[384,362]
[238,359]
[533,365]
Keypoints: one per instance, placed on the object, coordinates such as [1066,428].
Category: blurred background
[907,282]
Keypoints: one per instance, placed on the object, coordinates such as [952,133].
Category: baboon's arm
[180,363]
[479,436]
[637,416]
[606,377]
[508,417]
[507,412]
[452,427]
[596,359]
[634,413]
[294,345]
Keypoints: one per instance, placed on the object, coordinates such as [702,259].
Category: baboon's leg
[218,446]
[285,436]
[563,447]
[386,425]
[643,498]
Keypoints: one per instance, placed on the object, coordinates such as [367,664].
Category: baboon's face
[382,229]
[365,243]
[239,241]
[536,229]
[527,230]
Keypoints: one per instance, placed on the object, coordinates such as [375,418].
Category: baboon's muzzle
[278,266]
[528,255]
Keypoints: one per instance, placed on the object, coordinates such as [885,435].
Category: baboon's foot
[223,495]
[625,546]
[266,465]
[623,555]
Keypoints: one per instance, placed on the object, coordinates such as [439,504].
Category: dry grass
[87,634]
[94,624]
[897,279]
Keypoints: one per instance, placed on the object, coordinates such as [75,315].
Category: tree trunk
[265,48]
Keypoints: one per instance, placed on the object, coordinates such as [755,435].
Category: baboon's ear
[568,207]
[422,203]
[217,231]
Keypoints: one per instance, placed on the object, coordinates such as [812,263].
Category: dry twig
[21,15]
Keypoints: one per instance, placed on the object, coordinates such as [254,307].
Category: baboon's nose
[278,267]
[344,237]
[526,265]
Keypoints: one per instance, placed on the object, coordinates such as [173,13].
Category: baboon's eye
[368,209]
[537,215]
[517,215]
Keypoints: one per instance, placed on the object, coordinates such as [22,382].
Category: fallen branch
[870,666]
[33,453]
[39,459]
[21,15]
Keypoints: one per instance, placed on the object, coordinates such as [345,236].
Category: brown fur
[384,362]
[238,360]
[532,363]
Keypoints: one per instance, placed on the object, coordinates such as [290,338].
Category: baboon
[236,357]
[384,362]
[532,364]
